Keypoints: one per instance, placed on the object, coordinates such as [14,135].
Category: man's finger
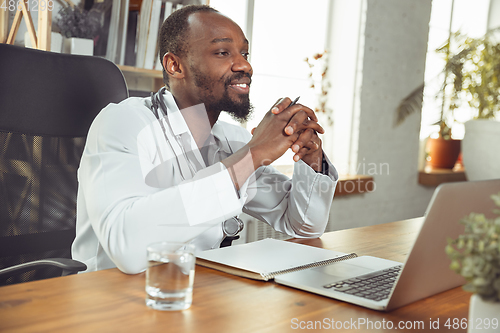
[311,145]
[306,149]
[304,138]
[313,125]
[302,152]
[289,112]
[299,121]
[314,143]
[280,105]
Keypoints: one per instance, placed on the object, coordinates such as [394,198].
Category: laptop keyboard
[375,286]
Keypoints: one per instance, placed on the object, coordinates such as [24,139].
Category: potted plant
[471,76]
[79,27]
[476,256]
[442,151]
[476,73]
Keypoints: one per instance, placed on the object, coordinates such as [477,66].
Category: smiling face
[215,67]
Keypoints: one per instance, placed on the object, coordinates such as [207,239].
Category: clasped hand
[284,128]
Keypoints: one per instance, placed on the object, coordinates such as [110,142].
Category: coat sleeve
[298,207]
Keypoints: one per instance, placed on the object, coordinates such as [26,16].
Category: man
[164,169]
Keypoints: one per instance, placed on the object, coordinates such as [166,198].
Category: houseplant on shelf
[471,76]
[79,27]
[476,256]
[442,150]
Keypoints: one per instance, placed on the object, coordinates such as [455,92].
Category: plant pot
[481,157]
[483,316]
[56,41]
[79,46]
[443,153]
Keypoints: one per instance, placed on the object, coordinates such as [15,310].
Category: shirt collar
[179,125]
[218,133]
[175,117]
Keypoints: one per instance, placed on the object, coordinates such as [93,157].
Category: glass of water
[170,276]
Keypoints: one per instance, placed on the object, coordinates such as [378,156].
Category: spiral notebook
[268,258]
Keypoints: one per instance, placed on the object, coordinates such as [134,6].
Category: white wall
[494,14]
[390,64]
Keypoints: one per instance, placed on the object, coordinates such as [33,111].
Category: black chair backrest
[47,103]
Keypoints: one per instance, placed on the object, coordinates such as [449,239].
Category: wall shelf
[354,184]
[141,78]
[433,176]
[347,184]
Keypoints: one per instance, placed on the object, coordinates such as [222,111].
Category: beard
[240,109]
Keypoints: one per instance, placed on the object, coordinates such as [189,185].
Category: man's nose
[242,65]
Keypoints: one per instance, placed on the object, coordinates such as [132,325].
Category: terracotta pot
[443,153]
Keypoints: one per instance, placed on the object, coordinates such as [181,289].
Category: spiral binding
[312,265]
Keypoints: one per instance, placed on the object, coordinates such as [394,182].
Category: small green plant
[78,23]
[470,76]
[474,71]
[476,254]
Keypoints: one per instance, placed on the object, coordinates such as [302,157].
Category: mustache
[238,76]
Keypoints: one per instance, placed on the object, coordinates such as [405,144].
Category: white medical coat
[139,185]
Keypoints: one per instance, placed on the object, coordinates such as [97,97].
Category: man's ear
[172,65]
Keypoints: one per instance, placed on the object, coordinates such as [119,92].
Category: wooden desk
[110,301]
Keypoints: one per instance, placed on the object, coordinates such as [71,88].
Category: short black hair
[173,33]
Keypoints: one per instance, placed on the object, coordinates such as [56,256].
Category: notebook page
[268,255]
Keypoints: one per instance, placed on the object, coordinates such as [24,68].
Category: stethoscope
[187,171]
[230,227]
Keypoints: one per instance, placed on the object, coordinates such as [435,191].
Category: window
[468,17]
[283,34]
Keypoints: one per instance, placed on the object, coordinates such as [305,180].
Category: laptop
[363,280]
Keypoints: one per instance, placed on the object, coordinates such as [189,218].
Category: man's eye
[245,55]
[222,53]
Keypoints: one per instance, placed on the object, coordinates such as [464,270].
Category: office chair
[47,103]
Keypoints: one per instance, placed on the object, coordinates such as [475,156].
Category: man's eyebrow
[225,40]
